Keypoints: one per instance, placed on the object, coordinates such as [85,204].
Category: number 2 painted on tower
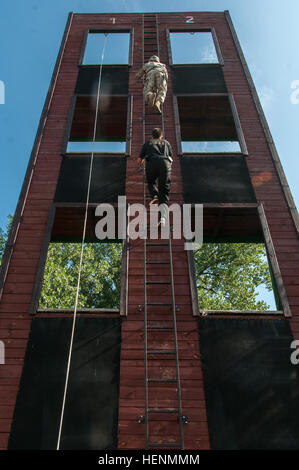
[189,19]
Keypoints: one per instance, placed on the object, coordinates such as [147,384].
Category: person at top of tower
[155,85]
[157,153]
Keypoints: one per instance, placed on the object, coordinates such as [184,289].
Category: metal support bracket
[185,419]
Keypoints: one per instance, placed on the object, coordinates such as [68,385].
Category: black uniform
[158,153]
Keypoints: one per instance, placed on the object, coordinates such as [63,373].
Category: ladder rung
[164,410]
[157,244]
[158,282]
[159,327]
[162,380]
[159,303]
[153,351]
[157,262]
[166,444]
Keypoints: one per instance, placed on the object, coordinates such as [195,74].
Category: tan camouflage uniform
[155,84]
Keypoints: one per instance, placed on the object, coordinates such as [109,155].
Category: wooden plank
[124,280]
[217,47]
[192,283]
[41,263]
[87,311]
[177,125]
[84,42]
[68,125]
[129,126]
[238,125]
[274,263]
[240,312]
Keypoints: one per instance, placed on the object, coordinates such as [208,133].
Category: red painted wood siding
[14,318]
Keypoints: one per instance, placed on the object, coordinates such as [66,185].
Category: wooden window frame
[35,298]
[237,122]
[193,29]
[69,122]
[273,264]
[107,30]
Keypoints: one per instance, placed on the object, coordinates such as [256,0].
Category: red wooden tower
[160,371]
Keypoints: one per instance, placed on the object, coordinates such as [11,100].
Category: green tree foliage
[4,236]
[229,274]
[100,276]
[2,243]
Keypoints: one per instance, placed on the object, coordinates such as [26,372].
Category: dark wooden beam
[274,263]
[129,126]
[41,263]
[193,286]
[238,126]
[123,309]
[260,313]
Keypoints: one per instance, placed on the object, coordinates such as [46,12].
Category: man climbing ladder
[155,83]
[157,153]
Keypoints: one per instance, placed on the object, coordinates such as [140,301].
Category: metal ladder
[156,356]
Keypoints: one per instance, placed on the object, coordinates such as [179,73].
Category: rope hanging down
[82,246]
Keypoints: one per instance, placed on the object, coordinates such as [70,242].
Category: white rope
[82,249]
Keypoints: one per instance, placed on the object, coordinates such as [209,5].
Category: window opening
[100,275]
[193,48]
[234,276]
[116,49]
[207,125]
[111,129]
[98,147]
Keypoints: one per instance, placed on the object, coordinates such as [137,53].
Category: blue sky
[30,36]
